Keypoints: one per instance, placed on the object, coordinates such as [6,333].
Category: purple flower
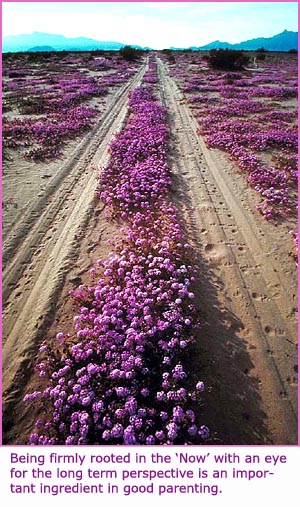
[107,421]
[83,380]
[150,440]
[204,432]
[120,413]
[121,391]
[69,440]
[136,422]
[106,435]
[131,405]
[142,412]
[200,386]
[192,430]
[191,415]
[182,392]
[178,414]
[86,401]
[83,417]
[98,406]
[129,436]
[172,430]
[117,431]
[34,438]
[163,415]
[92,368]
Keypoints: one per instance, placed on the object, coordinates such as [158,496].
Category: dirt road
[248,290]
[39,249]
[247,346]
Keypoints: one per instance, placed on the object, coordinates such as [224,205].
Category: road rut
[248,291]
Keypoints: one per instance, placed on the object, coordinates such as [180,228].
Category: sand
[247,291]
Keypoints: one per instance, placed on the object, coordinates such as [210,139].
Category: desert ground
[55,228]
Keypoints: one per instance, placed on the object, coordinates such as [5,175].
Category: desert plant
[228,59]
[128,53]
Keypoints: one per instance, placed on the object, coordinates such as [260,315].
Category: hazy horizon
[154,24]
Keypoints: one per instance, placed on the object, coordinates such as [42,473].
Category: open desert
[217,163]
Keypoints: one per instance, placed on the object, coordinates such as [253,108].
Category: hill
[36,40]
[281,42]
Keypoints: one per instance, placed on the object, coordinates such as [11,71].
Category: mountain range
[281,42]
[38,41]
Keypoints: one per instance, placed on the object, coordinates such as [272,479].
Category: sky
[157,25]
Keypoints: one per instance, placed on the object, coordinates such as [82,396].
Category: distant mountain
[281,42]
[36,40]
[217,44]
[41,49]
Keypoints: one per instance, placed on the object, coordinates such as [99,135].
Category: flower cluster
[233,117]
[122,379]
[150,76]
[52,100]
[137,174]
[47,134]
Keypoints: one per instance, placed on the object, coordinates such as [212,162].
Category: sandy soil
[247,346]
[40,246]
[248,293]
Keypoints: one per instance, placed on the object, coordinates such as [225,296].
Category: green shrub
[128,53]
[227,59]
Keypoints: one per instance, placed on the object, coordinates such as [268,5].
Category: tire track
[252,283]
[40,214]
[38,257]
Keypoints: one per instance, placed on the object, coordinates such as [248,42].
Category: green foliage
[169,54]
[37,56]
[129,54]
[227,59]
